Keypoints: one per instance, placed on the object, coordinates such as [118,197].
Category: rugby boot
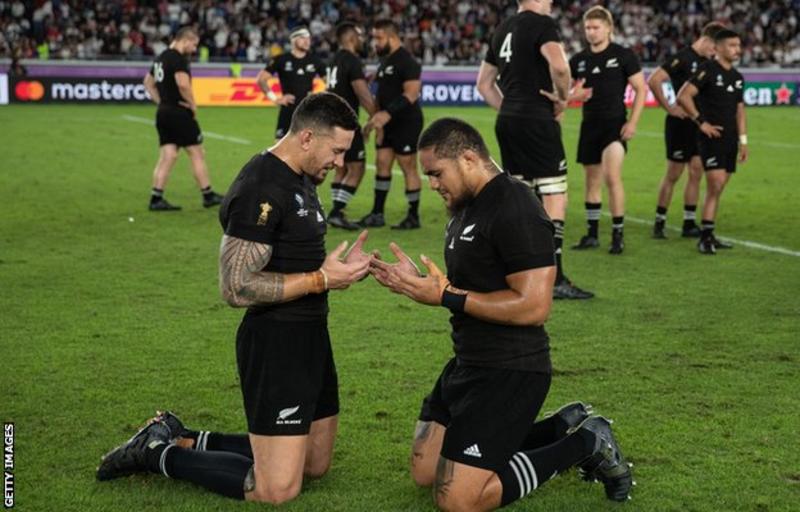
[410,222]
[173,423]
[573,414]
[212,199]
[719,244]
[373,220]
[606,464]
[617,242]
[658,230]
[162,205]
[131,456]
[706,246]
[566,290]
[338,220]
[587,242]
[690,230]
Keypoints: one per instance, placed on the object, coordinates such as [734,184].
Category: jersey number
[505,48]
[331,78]
[158,71]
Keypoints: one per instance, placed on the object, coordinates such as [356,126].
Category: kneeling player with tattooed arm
[476,441]
[272,261]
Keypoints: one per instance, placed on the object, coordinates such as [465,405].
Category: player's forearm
[561,80]
[367,101]
[261,288]
[491,94]
[638,104]
[741,120]
[657,86]
[153,92]
[243,283]
[508,307]
[686,102]
[187,94]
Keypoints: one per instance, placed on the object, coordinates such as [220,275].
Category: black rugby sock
[689,215]
[661,215]
[618,223]
[529,469]
[156,194]
[346,193]
[382,185]
[412,196]
[335,196]
[707,229]
[593,217]
[220,472]
[216,441]
[544,432]
[558,239]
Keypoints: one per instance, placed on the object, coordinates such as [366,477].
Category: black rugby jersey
[606,73]
[393,71]
[271,204]
[503,230]
[720,92]
[296,75]
[163,70]
[681,66]
[515,50]
[344,69]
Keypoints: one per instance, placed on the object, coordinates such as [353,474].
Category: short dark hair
[345,28]
[324,111]
[186,33]
[711,29]
[386,24]
[450,137]
[724,34]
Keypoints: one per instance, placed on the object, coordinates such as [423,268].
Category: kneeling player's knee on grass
[457,499]
[317,467]
[275,492]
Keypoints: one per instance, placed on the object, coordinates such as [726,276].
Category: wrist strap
[743,139]
[455,302]
[700,119]
[319,281]
[272,96]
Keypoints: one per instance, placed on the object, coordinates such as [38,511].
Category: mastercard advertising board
[238,92]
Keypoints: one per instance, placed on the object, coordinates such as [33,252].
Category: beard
[382,51]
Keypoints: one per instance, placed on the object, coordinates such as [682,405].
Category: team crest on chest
[301,210]
[264,215]
[612,63]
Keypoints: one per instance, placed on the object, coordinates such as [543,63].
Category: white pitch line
[746,243]
[210,135]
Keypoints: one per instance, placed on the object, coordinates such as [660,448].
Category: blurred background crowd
[436,31]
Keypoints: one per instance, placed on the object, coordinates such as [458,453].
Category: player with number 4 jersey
[526,77]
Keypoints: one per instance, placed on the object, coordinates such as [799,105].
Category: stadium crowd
[437,32]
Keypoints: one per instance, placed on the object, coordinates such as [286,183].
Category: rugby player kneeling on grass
[476,441]
[272,261]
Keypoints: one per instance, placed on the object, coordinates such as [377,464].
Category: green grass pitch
[109,311]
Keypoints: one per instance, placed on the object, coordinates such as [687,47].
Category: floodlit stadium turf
[110,312]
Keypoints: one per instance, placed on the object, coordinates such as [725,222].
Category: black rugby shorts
[531,148]
[596,136]
[680,136]
[177,125]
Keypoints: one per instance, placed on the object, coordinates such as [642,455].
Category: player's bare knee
[455,501]
[423,472]
[318,467]
[275,492]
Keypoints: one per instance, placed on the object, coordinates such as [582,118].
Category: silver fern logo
[283,414]
[467,231]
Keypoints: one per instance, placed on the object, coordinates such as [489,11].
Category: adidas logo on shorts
[473,451]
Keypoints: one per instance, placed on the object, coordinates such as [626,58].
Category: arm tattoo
[241,280]
[250,480]
[444,478]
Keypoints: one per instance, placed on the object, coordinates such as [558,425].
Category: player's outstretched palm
[344,272]
[403,277]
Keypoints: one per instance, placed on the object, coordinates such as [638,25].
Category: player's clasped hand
[285,100]
[354,266]
[404,277]
[711,130]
